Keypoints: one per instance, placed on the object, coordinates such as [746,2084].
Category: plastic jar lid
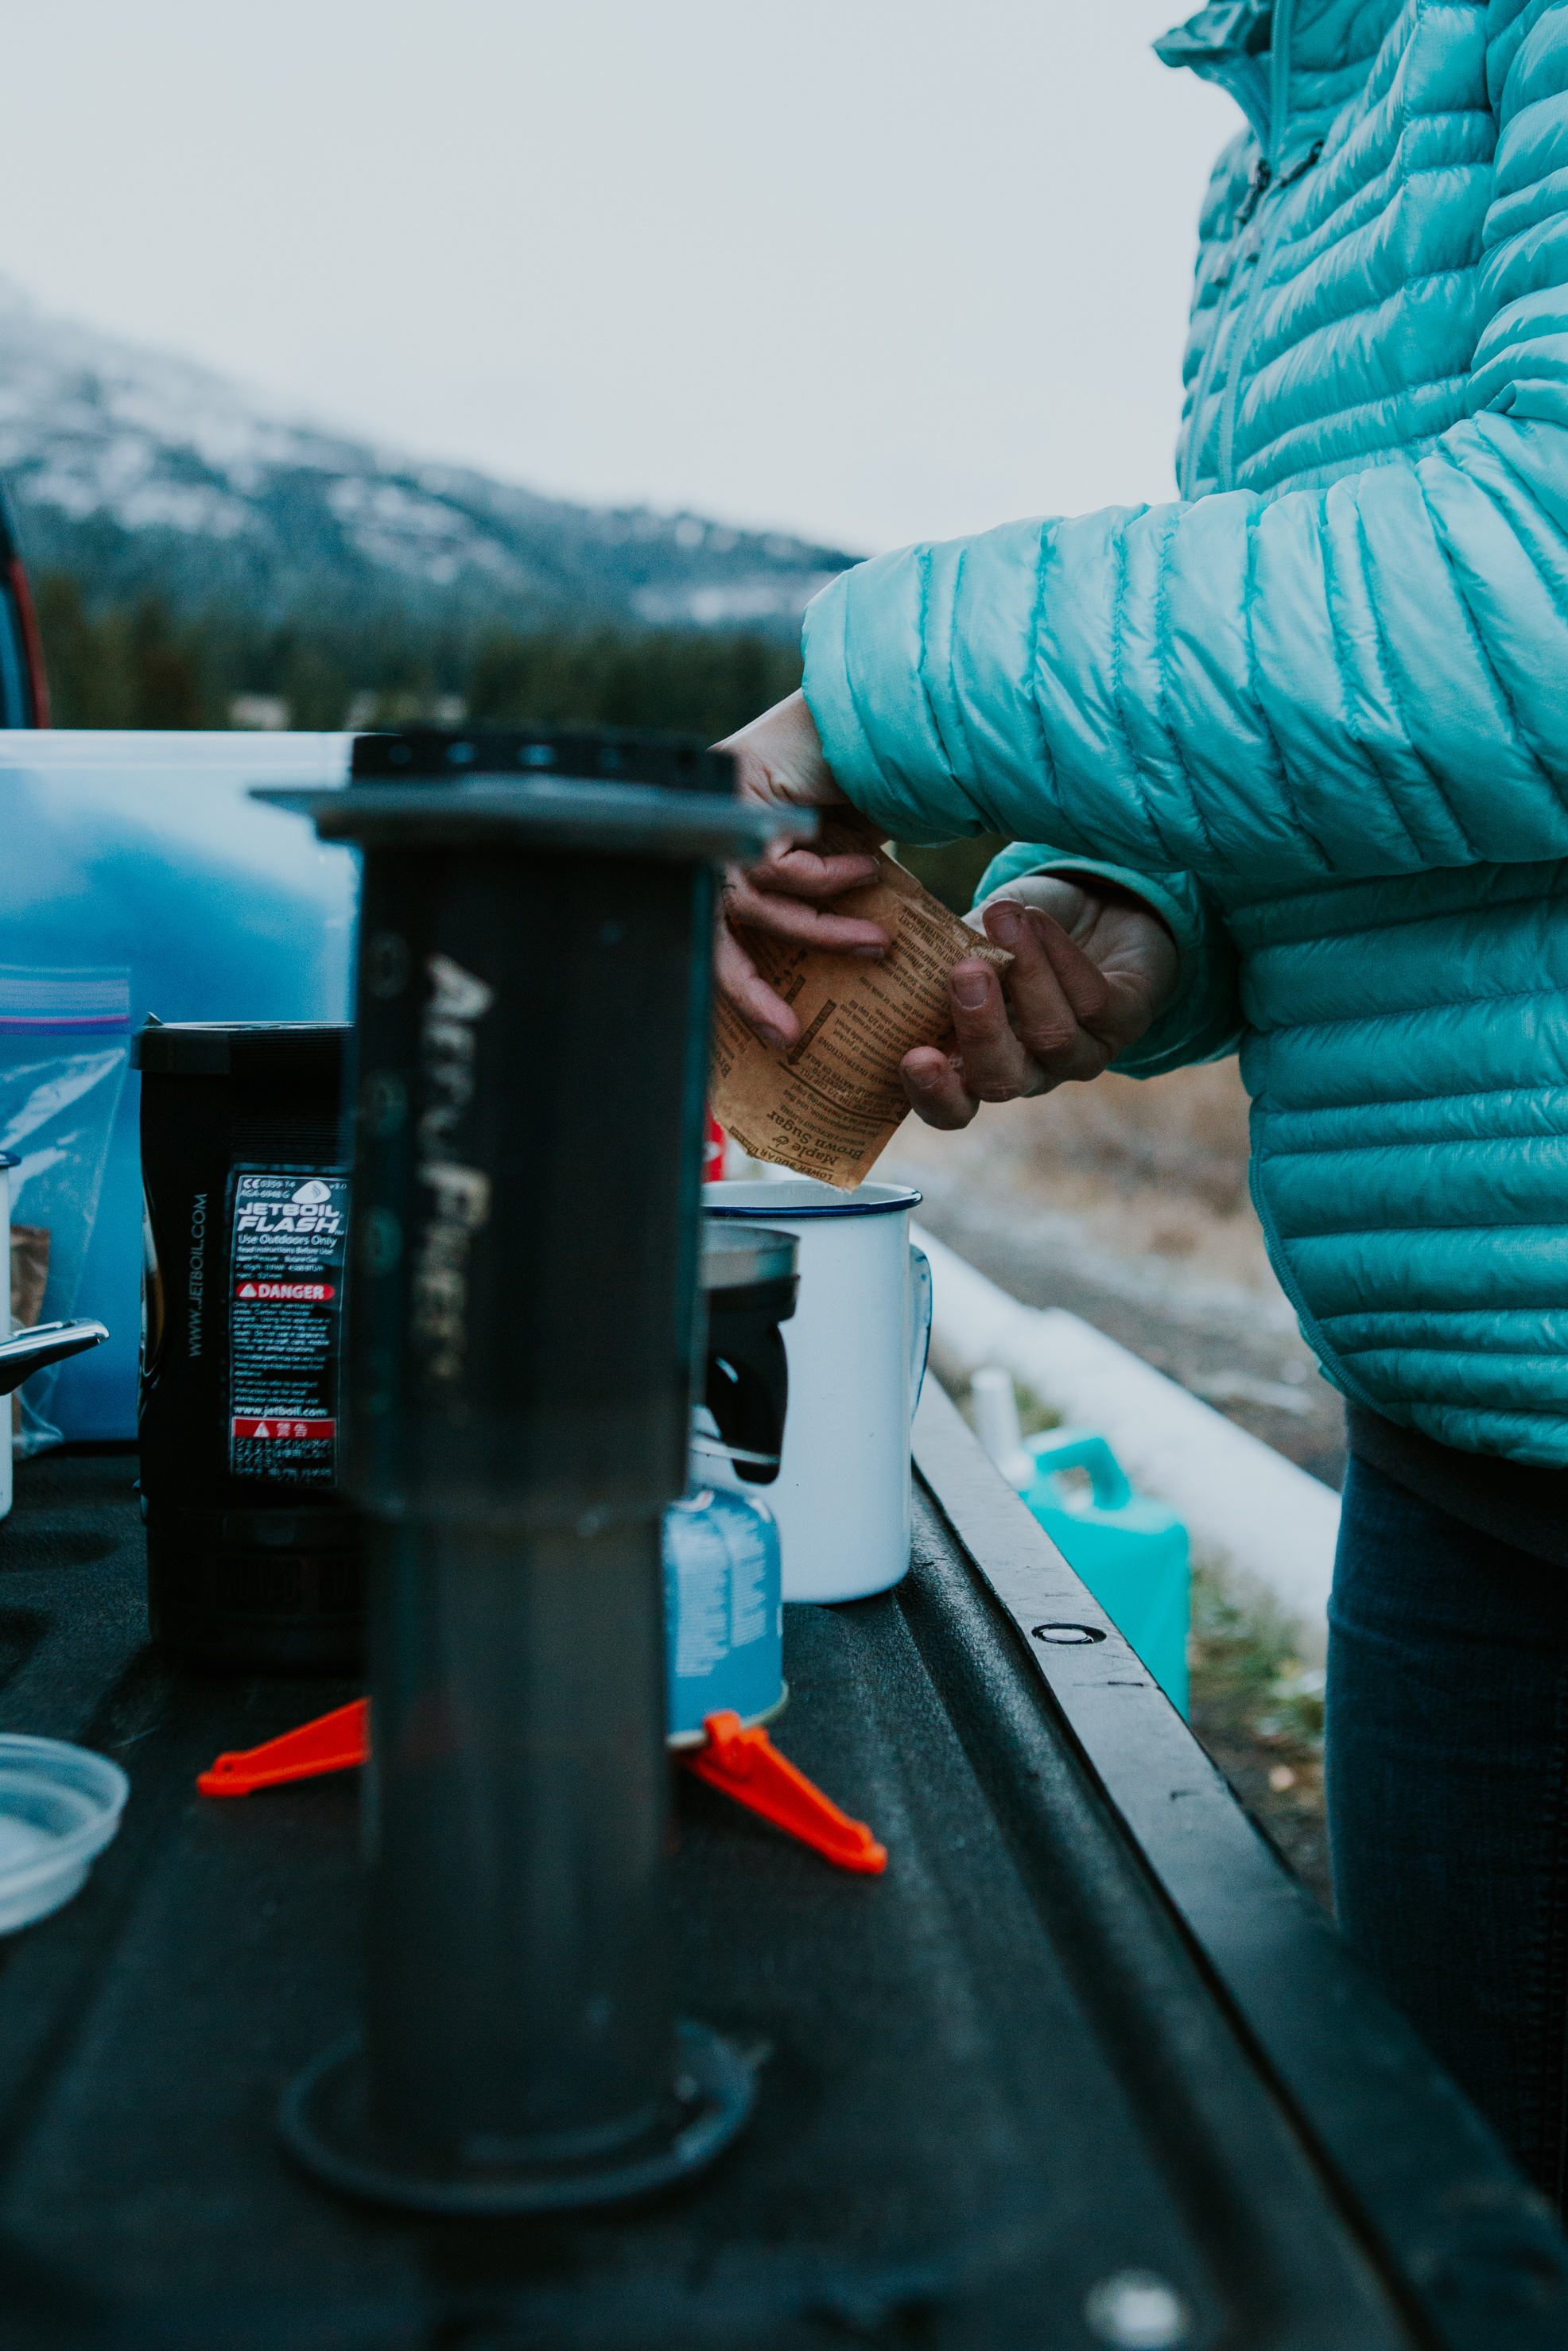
[59,1806]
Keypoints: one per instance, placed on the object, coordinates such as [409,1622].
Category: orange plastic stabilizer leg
[331,1743]
[747,1766]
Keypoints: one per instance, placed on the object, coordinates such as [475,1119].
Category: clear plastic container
[59,1806]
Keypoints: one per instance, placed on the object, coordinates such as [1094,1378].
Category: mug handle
[920,1336]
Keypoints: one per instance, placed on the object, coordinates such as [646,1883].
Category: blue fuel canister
[724,1610]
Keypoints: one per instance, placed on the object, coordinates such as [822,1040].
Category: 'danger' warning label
[285,1308]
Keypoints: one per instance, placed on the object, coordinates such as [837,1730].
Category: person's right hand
[1091,968]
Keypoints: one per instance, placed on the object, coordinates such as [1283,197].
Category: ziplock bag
[64,1050]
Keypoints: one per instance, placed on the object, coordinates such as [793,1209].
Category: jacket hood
[1280,60]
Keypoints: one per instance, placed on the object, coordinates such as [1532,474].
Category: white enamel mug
[856,1345]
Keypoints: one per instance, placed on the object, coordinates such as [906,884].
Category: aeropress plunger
[532,1029]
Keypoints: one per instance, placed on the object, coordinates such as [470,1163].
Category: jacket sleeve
[1366,678]
[1203,1020]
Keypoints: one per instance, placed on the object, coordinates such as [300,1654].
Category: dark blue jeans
[1448,1797]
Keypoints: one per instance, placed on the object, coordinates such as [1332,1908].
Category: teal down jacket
[1317,710]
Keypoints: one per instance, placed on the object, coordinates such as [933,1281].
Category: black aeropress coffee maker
[254,1560]
[532,1024]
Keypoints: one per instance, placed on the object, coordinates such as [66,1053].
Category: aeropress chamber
[532,1018]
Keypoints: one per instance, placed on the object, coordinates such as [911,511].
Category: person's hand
[789,893]
[1092,967]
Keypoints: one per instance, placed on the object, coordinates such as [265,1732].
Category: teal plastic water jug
[1131,1552]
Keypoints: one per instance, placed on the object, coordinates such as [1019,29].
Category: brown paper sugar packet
[829,1105]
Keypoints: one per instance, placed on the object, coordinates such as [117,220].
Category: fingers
[1057,992]
[935,1090]
[737,980]
[799,873]
[789,918]
[1069,1017]
[994,1063]
[1113,998]
[1038,1030]
[1056,1015]
[794,914]
[736,974]
[789,893]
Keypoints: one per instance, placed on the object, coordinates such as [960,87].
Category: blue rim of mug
[7,1161]
[907,1198]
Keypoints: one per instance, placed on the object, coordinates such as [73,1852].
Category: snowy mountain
[139,471]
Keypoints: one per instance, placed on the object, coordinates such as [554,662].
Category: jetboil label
[286,1307]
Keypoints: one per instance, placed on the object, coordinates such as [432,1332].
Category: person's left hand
[1093,965]
[788,892]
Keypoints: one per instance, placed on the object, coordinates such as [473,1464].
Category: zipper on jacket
[1222,310]
[1271,188]
[1256,261]
[1204,378]
[1268,185]
[1263,180]
[1260,179]
[1280,31]
[1249,258]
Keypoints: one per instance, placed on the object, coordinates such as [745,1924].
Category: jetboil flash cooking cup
[856,1351]
[254,1558]
[724,1611]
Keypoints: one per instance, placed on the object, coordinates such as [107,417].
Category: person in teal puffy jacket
[1285,767]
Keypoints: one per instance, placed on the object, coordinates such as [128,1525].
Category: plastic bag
[29,1278]
[64,1050]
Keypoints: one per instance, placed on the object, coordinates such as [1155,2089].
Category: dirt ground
[1126,1203]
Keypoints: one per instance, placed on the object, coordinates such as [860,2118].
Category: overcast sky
[869,269]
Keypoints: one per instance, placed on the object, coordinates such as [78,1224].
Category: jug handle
[1078,1448]
[920,1335]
